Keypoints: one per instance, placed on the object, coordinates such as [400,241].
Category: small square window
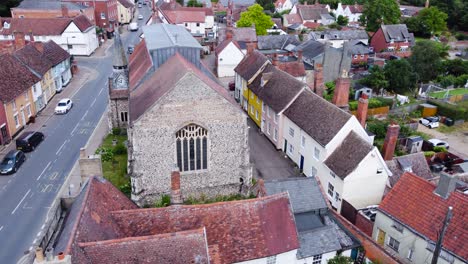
[332,174]
[379,170]
[316,153]
[393,244]
[398,226]
[268,128]
[317,259]
[337,197]
[291,149]
[271,260]
[291,132]
[303,141]
[198,24]
[331,188]
[251,109]
[103,16]
[275,134]
[256,114]
[276,118]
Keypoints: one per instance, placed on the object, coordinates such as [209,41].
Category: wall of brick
[364,224]
[152,145]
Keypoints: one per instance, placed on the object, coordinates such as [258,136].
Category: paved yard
[458,141]
[268,163]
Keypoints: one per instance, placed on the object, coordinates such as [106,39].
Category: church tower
[119,87]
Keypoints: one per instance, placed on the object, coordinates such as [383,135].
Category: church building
[180,117]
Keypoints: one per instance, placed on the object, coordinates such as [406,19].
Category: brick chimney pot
[341,95]
[361,113]
[390,141]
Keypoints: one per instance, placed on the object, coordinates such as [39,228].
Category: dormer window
[392,41]
[379,171]
[6,25]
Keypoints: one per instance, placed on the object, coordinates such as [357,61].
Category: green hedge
[449,110]
[373,103]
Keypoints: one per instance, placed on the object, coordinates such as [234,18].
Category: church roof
[164,80]
[161,36]
[119,58]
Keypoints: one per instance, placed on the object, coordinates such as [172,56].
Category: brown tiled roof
[55,53]
[180,16]
[208,11]
[294,68]
[354,8]
[126,3]
[224,44]
[139,65]
[279,90]
[293,19]
[164,80]
[242,230]
[311,25]
[418,165]
[45,26]
[348,155]
[15,78]
[33,59]
[311,12]
[247,34]
[179,247]
[319,118]
[82,22]
[413,203]
[251,64]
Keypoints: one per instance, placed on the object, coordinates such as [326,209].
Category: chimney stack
[20,41]
[176,196]
[341,95]
[228,33]
[64,10]
[361,113]
[446,185]
[39,46]
[319,87]
[299,56]
[250,48]
[390,141]
[39,255]
[275,60]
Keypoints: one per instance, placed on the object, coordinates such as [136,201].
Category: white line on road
[73,131]
[56,153]
[100,91]
[94,101]
[24,197]
[48,164]
[1,227]
[35,240]
[9,181]
[43,226]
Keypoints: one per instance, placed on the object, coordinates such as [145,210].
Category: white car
[430,121]
[438,143]
[140,17]
[63,106]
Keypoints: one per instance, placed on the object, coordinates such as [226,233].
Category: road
[26,196]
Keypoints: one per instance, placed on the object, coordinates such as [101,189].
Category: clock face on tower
[120,81]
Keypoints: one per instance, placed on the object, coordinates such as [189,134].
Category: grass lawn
[452,129]
[115,171]
[458,91]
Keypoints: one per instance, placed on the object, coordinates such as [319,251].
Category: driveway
[268,163]
[458,141]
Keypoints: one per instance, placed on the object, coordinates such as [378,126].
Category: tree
[181,2]
[426,60]
[342,20]
[339,259]
[267,4]
[376,80]
[255,15]
[5,6]
[400,76]
[433,20]
[194,3]
[377,12]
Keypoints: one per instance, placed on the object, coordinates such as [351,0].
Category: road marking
[73,131]
[56,153]
[38,234]
[94,101]
[43,226]
[1,227]
[24,197]
[9,181]
[53,176]
[34,241]
[48,164]
[30,249]
[102,89]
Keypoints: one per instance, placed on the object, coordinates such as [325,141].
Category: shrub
[126,189]
[120,149]
[385,101]
[452,111]
[106,154]
[164,201]
[440,149]
[428,154]
[116,131]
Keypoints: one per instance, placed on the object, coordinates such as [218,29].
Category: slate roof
[250,65]
[16,78]
[343,34]
[348,155]
[246,34]
[238,2]
[318,241]
[33,59]
[55,53]
[159,36]
[396,32]
[276,42]
[413,203]
[311,12]
[357,47]
[304,193]
[139,64]
[45,26]
[280,89]
[165,79]
[319,118]
[311,48]
[415,163]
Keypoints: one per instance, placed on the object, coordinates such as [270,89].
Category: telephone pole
[438,246]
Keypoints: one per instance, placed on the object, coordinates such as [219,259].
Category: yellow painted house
[255,108]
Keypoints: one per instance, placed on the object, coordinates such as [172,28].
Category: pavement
[26,196]
[458,142]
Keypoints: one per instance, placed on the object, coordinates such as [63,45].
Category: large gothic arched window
[191,148]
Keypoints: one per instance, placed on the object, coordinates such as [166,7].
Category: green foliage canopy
[255,15]
[377,12]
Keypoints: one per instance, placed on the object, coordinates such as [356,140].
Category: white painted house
[352,12]
[76,35]
[328,143]
[125,11]
[197,20]
[228,56]
[281,5]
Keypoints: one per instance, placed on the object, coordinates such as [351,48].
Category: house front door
[301,164]
[381,237]
[285,146]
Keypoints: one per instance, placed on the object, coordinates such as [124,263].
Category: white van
[133,26]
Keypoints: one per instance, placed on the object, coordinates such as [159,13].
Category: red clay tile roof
[413,203]
[251,64]
[311,25]
[293,19]
[55,53]
[295,68]
[33,59]
[243,230]
[208,11]
[139,65]
[355,8]
[45,26]
[15,78]
[180,247]
[181,16]
[164,80]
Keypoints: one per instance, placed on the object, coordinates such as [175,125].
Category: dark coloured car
[12,161]
[29,140]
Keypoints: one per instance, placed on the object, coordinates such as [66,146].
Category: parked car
[139,5]
[29,140]
[140,17]
[12,161]
[438,143]
[63,106]
[130,49]
[133,26]
[430,121]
